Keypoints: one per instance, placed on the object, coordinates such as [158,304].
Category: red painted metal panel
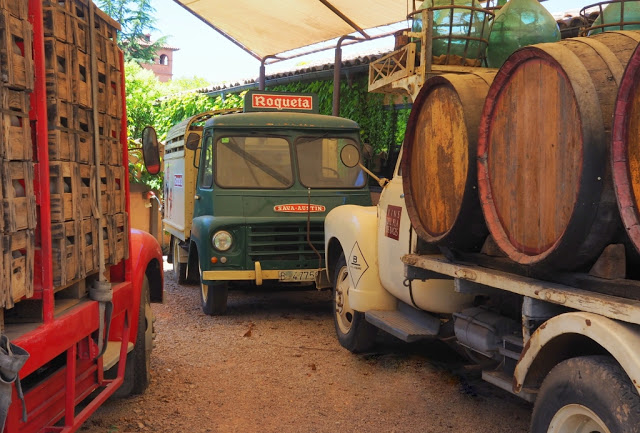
[38,114]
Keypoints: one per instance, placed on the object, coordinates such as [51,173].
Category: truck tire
[137,373]
[587,394]
[354,333]
[213,297]
[180,269]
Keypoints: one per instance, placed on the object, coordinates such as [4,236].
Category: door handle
[196,197]
[401,195]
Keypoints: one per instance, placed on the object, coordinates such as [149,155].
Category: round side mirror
[150,151]
[350,155]
[193,140]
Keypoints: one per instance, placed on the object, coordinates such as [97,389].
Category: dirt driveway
[273,364]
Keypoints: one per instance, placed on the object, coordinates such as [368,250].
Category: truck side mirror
[150,152]
[350,156]
[193,140]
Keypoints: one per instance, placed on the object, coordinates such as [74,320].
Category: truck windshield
[320,167]
[253,162]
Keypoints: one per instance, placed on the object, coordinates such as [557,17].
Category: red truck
[75,281]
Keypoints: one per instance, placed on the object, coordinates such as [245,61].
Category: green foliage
[381,126]
[162,105]
[137,21]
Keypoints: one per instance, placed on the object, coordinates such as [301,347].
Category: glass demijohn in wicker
[519,23]
[617,15]
[456,31]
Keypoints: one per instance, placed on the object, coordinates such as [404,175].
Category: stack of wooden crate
[74,123]
[17,198]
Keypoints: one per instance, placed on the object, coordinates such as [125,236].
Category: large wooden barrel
[625,149]
[543,173]
[439,160]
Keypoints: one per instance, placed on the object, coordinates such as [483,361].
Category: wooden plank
[616,308]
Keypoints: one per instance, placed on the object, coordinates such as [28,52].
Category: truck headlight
[222,240]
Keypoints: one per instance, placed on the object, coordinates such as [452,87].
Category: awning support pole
[337,69]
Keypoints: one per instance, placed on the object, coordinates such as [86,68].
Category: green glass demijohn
[517,24]
[449,25]
[613,13]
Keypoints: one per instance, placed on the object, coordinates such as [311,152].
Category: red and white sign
[299,208]
[282,102]
[177,181]
[392,224]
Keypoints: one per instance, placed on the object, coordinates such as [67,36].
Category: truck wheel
[587,394]
[180,269]
[137,373]
[213,297]
[354,332]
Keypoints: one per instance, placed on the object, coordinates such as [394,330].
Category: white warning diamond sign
[357,265]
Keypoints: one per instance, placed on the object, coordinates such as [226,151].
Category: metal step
[505,382]
[405,323]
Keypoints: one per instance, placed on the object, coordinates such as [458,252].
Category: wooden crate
[88,246]
[81,83]
[18,266]
[103,89]
[17,8]
[107,51]
[87,190]
[62,145]
[114,151]
[19,205]
[65,239]
[117,180]
[103,179]
[80,10]
[84,147]
[64,187]
[57,23]
[15,129]
[115,93]
[83,127]
[120,237]
[106,225]
[58,68]
[81,36]
[16,42]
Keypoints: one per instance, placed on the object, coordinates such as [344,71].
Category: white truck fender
[621,340]
[356,228]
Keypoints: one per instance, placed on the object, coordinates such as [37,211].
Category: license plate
[297,275]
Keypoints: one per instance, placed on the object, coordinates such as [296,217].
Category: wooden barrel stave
[544,181]
[438,165]
[625,150]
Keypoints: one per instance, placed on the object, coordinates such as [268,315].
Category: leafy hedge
[162,105]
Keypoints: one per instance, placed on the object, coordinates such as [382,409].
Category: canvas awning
[269,27]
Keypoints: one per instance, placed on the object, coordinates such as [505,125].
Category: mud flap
[322,281]
[12,358]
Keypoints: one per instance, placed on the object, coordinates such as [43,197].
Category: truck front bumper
[258,275]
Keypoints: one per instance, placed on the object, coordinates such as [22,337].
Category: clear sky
[205,53]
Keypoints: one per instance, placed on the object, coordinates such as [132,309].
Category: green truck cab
[246,194]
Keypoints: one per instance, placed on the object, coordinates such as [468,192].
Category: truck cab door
[204,181]
[394,235]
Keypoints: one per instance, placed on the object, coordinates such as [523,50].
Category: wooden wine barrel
[625,149]
[439,160]
[543,173]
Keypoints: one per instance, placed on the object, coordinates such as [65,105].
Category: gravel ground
[273,364]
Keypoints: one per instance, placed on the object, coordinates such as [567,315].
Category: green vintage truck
[246,194]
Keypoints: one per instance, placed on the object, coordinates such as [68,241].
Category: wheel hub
[575,418]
